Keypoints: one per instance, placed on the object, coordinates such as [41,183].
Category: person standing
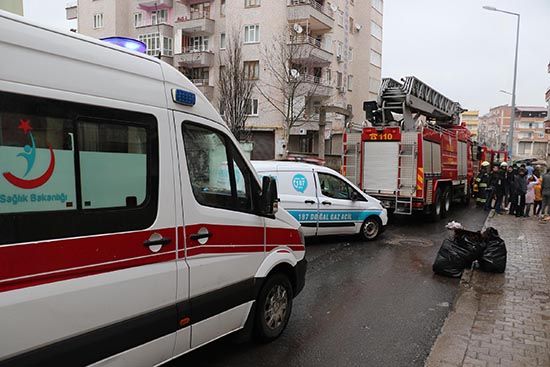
[496,184]
[545,193]
[520,185]
[482,181]
[511,194]
[530,195]
[538,193]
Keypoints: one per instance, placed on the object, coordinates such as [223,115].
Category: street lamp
[513,117]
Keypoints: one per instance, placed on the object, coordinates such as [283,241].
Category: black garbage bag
[458,253]
[494,255]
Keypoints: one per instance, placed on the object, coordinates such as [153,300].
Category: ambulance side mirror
[354,196]
[269,200]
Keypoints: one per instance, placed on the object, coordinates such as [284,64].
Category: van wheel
[273,308]
[370,229]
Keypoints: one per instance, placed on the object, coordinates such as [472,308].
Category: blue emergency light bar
[128,43]
[184,97]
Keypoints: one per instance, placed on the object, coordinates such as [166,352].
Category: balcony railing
[201,82]
[308,78]
[194,16]
[305,39]
[195,49]
[314,4]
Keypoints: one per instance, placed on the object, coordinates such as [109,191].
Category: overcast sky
[455,46]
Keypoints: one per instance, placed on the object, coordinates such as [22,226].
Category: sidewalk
[502,319]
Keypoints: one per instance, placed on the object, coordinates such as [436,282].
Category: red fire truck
[416,156]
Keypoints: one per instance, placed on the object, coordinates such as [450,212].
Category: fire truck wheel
[371,228]
[273,308]
[436,209]
[446,203]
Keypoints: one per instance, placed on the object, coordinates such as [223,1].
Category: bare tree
[235,87]
[290,83]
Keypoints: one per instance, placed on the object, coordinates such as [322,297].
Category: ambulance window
[113,164]
[37,163]
[219,177]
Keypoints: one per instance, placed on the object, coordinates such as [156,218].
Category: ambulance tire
[446,202]
[370,229]
[273,308]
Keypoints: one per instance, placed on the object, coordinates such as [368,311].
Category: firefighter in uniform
[482,181]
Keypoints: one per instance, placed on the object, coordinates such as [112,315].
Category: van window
[219,176]
[69,169]
[336,188]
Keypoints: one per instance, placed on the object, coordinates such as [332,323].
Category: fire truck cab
[416,156]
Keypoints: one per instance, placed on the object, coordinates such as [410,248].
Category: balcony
[195,57]
[205,87]
[197,25]
[314,86]
[71,11]
[318,16]
[164,29]
[150,5]
[309,50]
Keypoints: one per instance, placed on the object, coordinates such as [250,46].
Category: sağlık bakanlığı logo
[29,154]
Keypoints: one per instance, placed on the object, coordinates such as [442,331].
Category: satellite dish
[358,27]
[298,28]
[294,73]
[333,7]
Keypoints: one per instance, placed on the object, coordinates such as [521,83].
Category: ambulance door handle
[309,202]
[161,241]
[200,236]
[326,203]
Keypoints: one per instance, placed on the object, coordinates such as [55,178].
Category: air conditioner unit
[338,57]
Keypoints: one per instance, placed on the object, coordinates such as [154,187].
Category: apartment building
[471,120]
[530,137]
[342,40]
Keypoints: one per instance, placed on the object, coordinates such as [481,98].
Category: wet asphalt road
[364,303]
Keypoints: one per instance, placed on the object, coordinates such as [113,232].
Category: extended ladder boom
[412,96]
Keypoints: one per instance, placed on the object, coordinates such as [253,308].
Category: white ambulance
[324,201]
[132,230]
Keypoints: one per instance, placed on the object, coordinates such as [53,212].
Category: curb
[451,344]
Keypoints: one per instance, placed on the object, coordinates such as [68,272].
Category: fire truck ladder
[406,178]
[413,97]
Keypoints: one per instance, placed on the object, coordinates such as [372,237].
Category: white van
[324,201]
[132,230]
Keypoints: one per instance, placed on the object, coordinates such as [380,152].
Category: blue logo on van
[299,182]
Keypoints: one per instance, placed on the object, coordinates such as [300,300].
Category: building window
[339,50]
[138,19]
[328,77]
[251,107]
[350,82]
[251,3]
[378,5]
[375,30]
[98,21]
[252,70]
[340,18]
[339,77]
[375,58]
[351,25]
[222,41]
[350,54]
[154,45]
[251,33]
[222,8]
[198,44]
[374,85]
[159,16]
[199,76]
[200,11]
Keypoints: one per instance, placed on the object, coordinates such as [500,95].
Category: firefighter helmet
[485,164]
[504,164]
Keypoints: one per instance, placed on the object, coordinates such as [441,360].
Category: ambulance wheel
[273,308]
[446,201]
[370,229]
